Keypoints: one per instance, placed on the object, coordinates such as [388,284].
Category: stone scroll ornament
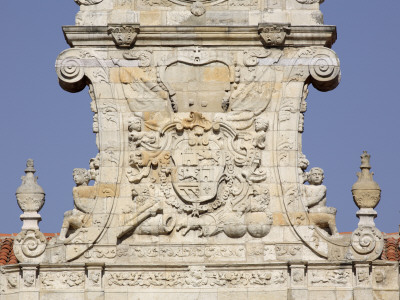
[305,204]
[77,68]
[30,243]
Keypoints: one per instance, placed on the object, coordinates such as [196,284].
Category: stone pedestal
[30,220]
[366,216]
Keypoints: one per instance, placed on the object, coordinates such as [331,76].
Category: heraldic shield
[198,171]
[199,159]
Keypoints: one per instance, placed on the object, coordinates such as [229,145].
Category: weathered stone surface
[200,187]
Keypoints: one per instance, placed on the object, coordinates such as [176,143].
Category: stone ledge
[96,36]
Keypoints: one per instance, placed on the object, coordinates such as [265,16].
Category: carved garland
[197,276]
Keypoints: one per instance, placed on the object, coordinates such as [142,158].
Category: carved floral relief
[196,276]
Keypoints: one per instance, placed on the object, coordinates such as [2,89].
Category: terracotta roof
[390,251]
[7,256]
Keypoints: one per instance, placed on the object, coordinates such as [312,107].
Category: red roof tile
[391,249]
[7,256]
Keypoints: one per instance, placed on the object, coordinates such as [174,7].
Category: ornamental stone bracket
[124,35]
[273,34]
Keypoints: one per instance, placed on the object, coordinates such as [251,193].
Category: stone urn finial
[30,196]
[366,240]
[30,244]
[366,192]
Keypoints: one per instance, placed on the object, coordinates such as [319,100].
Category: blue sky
[41,121]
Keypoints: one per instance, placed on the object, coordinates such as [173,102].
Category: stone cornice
[297,36]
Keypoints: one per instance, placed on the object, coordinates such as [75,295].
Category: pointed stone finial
[365,157]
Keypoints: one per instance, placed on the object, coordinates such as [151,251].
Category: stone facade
[200,187]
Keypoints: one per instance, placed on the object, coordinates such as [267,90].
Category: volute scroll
[325,70]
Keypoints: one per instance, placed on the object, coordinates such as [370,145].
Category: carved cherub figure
[76,218]
[94,166]
[261,127]
[81,177]
[315,201]
[138,138]
[303,165]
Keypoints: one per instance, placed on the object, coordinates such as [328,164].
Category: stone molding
[97,36]
[106,278]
